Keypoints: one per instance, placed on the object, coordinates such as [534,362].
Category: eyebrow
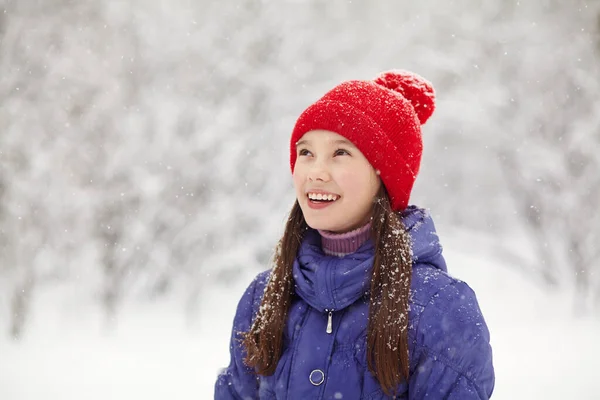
[337,141]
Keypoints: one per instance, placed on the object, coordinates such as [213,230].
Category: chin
[318,224]
[325,226]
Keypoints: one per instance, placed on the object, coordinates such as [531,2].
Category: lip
[319,206]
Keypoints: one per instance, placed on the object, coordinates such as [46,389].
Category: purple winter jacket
[449,351]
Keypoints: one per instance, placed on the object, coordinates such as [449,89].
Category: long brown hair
[387,331]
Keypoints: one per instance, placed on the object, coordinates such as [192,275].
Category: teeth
[319,196]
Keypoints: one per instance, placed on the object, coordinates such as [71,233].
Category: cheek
[298,179]
[361,187]
[351,182]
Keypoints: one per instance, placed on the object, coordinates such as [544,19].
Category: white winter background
[144,177]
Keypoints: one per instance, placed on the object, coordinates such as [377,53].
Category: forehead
[322,137]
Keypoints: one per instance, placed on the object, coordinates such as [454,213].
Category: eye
[303,152]
[341,152]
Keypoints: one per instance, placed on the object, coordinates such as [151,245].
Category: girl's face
[335,184]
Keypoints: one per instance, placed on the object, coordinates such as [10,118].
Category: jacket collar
[332,283]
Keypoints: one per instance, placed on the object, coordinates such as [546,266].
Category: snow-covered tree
[144,144]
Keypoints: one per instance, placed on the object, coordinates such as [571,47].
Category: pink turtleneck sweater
[341,244]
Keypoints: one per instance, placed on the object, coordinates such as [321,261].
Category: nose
[318,172]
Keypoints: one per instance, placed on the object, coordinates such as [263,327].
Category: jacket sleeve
[237,381]
[453,352]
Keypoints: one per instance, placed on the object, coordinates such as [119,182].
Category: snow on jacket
[449,351]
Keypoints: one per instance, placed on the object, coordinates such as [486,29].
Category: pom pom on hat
[383,118]
[414,88]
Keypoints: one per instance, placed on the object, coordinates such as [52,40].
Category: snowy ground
[541,352]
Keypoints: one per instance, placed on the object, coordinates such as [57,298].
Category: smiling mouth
[322,198]
[323,203]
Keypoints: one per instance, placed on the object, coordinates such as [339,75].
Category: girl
[358,304]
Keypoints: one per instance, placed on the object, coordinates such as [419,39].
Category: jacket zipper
[329,328]
[329,321]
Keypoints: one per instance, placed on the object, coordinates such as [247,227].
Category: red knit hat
[383,119]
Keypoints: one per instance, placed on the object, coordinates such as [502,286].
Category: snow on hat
[383,119]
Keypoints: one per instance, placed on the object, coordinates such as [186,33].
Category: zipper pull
[329,322]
